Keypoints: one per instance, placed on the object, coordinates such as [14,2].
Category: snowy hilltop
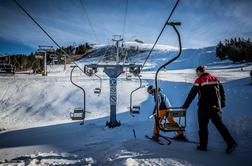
[37,130]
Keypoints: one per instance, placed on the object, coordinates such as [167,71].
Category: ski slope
[34,112]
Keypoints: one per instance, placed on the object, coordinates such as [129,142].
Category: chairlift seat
[128,77]
[77,114]
[172,127]
[135,109]
[97,90]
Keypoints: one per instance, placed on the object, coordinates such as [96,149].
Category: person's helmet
[150,89]
[201,69]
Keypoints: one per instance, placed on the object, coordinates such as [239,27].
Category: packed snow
[37,130]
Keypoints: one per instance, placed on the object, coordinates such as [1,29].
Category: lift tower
[45,49]
[113,71]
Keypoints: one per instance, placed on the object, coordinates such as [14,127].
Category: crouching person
[164,106]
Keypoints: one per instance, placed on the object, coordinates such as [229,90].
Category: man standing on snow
[164,106]
[211,99]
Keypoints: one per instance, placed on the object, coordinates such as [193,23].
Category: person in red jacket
[211,98]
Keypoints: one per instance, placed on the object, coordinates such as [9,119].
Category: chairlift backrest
[181,113]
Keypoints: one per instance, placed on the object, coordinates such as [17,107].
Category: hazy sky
[204,22]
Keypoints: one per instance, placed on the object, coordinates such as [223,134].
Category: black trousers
[204,115]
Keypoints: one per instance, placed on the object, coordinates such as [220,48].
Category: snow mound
[155,162]
[146,46]
[51,158]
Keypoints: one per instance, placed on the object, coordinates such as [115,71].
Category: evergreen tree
[237,50]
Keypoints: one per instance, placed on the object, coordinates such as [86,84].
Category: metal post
[113,72]
[117,39]
[44,49]
[65,63]
[113,100]
[117,52]
[45,66]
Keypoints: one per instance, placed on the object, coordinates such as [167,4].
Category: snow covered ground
[34,110]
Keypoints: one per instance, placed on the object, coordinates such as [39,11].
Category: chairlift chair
[177,111]
[135,70]
[128,76]
[98,90]
[78,113]
[135,109]
[89,71]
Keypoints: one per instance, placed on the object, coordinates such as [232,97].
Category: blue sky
[204,22]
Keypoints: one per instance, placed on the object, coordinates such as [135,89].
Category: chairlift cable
[46,33]
[175,6]
[101,58]
[82,2]
[125,17]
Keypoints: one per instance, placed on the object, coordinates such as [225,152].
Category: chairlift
[7,68]
[135,109]
[176,112]
[98,90]
[128,76]
[90,71]
[135,70]
[78,113]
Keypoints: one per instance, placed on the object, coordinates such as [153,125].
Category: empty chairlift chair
[135,109]
[6,68]
[128,76]
[78,113]
[98,90]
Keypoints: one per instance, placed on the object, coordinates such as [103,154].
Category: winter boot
[180,137]
[231,148]
[155,138]
[201,148]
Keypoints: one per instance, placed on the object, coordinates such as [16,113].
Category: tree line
[236,49]
[35,62]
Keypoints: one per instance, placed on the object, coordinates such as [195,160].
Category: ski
[179,140]
[159,142]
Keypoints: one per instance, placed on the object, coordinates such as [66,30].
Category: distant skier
[163,109]
[211,99]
